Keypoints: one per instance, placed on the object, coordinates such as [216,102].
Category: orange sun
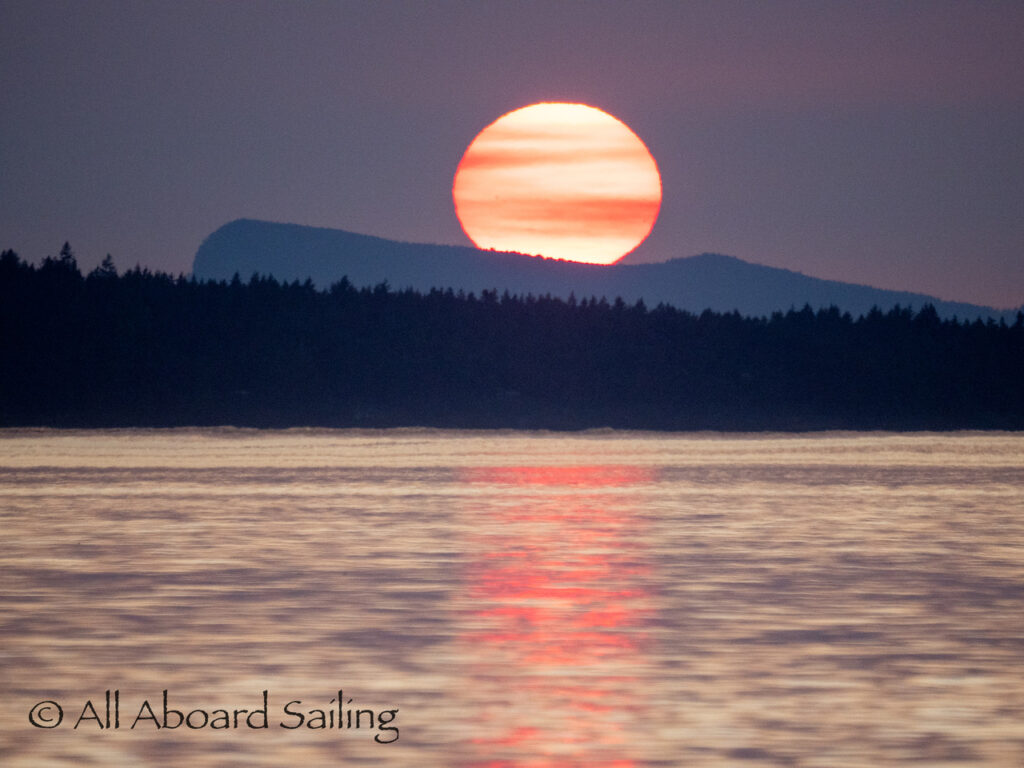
[565,181]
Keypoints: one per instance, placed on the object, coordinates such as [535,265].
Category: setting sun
[567,181]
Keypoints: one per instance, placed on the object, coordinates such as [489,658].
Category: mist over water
[523,599]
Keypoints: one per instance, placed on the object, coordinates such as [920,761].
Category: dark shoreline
[149,350]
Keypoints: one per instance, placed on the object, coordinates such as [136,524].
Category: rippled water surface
[524,600]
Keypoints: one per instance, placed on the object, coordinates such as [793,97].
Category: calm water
[524,600]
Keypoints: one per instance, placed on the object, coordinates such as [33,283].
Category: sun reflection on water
[558,607]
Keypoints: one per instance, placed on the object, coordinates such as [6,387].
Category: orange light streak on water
[558,604]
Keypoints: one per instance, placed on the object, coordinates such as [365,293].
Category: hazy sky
[873,142]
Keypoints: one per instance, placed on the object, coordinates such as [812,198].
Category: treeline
[148,349]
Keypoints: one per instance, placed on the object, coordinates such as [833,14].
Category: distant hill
[708,281]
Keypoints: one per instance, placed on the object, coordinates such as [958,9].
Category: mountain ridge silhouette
[721,283]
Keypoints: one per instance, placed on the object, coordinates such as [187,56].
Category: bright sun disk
[567,181]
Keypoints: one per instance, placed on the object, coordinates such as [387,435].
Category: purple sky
[872,142]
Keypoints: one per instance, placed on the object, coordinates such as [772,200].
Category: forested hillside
[145,349]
